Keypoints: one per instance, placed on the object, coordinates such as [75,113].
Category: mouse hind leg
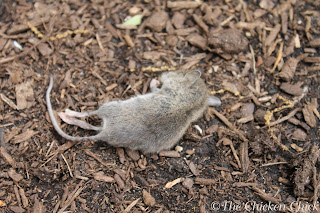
[69,117]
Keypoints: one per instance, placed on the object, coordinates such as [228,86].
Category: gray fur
[154,121]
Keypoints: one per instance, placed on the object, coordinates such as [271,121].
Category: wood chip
[2,204]
[7,157]
[309,116]
[228,41]
[14,175]
[273,35]
[265,196]
[178,5]
[197,40]
[296,147]
[192,167]
[24,198]
[314,43]
[188,183]
[205,181]
[148,199]
[157,21]
[289,68]
[299,135]
[174,182]
[44,49]
[24,136]
[201,24]
[266,4]
[120,153]
[133,154]
[178,20]
[119,181]
[292,89]
[24,95]
[100,176]
[169,153]
[312,60]
[153,55]
[111,87]
[128,209]
[8,101]
[212,129]
[18,28]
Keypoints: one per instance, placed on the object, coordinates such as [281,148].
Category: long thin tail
[56,125]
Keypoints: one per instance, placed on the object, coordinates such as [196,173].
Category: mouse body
[151,122]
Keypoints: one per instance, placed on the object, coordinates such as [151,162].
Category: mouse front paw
[154,84]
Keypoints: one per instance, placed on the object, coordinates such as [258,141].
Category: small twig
[100,44]
[279,57]
[253,60]
[265,196]
[315,185]
[226,122]
[88,152]
[61,149]
[128,209]
[65,160]
[227,141]
[291,114]
[274,163]
[73,196]
[50,147]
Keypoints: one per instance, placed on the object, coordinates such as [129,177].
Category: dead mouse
[151,122]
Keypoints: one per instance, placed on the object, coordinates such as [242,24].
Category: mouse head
[187,78]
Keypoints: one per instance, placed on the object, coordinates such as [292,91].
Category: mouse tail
[56,125]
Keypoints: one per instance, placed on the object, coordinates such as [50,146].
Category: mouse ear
[192,76]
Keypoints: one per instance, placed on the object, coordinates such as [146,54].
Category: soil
[257,152]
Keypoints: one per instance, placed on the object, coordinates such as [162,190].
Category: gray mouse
[151,122]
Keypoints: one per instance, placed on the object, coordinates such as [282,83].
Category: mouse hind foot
[72,113]
[69,119]
[154,84]
[214,101]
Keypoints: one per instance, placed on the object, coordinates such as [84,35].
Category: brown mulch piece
[261,58]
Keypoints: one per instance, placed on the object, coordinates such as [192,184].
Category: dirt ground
[257,152]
